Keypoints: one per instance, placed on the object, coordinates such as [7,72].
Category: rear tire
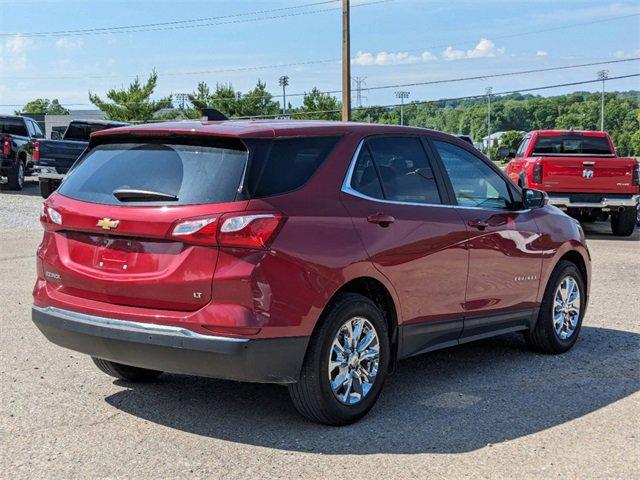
[126,372]
[548,335]
[623,223]
[46,188]
[314,395]
[15,177]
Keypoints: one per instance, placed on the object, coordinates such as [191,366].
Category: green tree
[45,107]
[319,106]
[224,98]
[133,103]
[258,102]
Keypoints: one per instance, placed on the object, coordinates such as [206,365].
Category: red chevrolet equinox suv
[309,254]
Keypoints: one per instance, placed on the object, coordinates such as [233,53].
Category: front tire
[346,363]
[126,372]
[561,312]
[623,223]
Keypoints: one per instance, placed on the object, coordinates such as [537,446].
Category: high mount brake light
[255,230]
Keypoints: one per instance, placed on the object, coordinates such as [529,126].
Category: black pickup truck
[20,137]
[56,156]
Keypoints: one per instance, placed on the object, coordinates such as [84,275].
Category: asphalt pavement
[485,410]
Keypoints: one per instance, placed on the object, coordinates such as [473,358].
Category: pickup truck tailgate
[588,174]
[60,153]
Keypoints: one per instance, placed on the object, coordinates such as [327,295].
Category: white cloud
[484,48]
[13,53]
[428,56]
[541,53]
[68,43]
[621,54]
[385,58]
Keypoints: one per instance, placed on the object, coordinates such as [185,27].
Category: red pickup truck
[582,174]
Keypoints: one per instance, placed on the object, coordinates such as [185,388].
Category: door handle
[477,223]
[381,219]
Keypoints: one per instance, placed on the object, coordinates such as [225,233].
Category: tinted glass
[38,130]
[523,146]
[31,128]
[365,178]
[13,126]
[82,131]
[195,174]
[280,166]
[475,184]
[572,145]
[404,169]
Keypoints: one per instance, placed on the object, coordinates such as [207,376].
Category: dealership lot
[490,409]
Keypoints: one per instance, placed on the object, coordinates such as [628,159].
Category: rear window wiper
[135,195]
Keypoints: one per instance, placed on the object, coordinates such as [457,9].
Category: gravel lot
[486,410]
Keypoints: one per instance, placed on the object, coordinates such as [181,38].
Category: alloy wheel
[566,307]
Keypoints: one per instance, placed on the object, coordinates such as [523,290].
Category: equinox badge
[107,223]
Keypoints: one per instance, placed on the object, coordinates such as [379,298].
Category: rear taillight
[254,230]
[537,173]
[6,145]
[36,151]
[49,215]
[635,178]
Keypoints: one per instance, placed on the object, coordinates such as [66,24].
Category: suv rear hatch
[110,231]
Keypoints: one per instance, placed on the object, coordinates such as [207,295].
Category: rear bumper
[49,173]
[174,349]
[563,201]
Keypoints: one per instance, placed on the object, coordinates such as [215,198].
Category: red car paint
[433,262]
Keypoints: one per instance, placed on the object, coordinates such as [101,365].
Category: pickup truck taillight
[6,145]
[36,151]
[635,178]
[537,173]
[248,230]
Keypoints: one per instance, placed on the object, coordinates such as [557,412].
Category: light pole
[488,91]
[346,63]
[402,94]
[283,81]
[602,75]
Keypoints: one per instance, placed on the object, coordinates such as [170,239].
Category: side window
[475,184]
[523,146]
[365,176]
[37,130]
[404,170]
[31,128]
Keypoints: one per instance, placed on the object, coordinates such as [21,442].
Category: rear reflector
[255,230]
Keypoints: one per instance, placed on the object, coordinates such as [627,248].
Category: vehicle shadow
[30,189]
[456,400]
[602,231]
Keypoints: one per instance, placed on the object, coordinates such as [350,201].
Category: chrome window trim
[130,326]
[349,190]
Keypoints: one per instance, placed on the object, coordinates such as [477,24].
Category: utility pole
[359,83]
[346,63]
[488,91]
[602,75]
[402,94]
[283,81]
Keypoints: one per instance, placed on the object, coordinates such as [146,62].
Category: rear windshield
[182,174]
[191,174]
[13,126]
[572,145]
[82,131]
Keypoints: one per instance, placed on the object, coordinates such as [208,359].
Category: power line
[206,24]
[308,62]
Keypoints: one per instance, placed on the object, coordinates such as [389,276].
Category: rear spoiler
[213,115]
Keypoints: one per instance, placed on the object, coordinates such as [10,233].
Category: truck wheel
[46,188]
[346,363]
[126,372]
[561,311]
[624,222]
[15,177]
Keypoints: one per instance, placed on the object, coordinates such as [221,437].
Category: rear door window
[13,126]
[179,174]
[283,165]
[403,168]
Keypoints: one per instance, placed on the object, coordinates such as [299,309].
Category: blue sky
[393,42]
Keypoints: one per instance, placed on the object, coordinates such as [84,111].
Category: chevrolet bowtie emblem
[107,223]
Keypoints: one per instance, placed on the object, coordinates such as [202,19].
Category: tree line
[515,112]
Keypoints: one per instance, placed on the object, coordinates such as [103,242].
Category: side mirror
[503,152]
[55,135]
[534,198]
